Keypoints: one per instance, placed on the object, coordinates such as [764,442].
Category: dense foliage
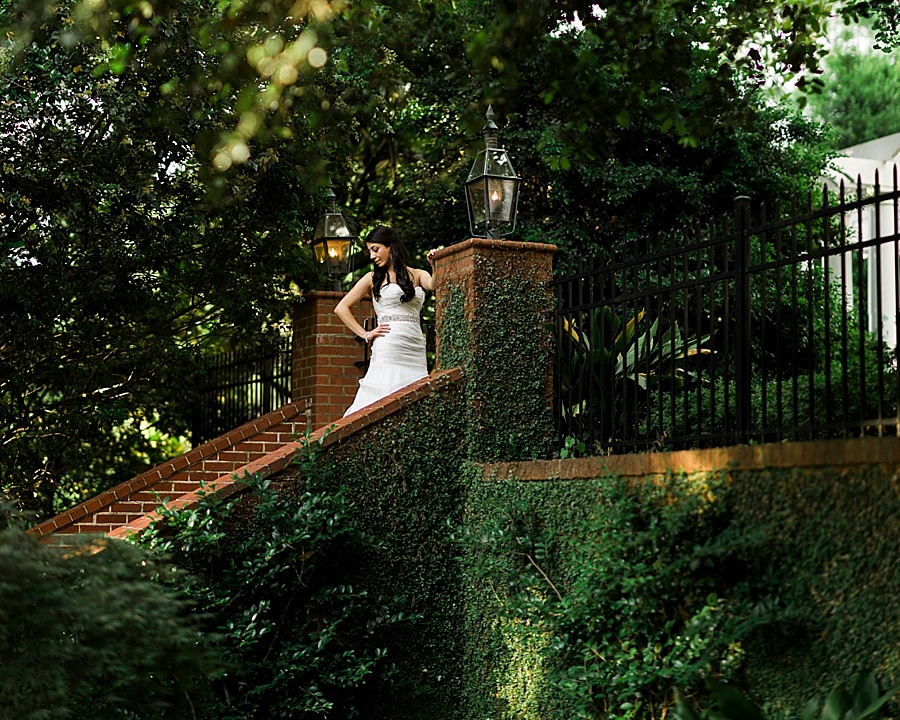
[763,578]
[88,633]
[275,578]
[857,700]
[162,163]
[860,95]
[120,268]
[655,588]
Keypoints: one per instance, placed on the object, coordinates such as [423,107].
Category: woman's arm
[363,288]
[423,278]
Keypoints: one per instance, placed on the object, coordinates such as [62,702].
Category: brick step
[264,447]
[128,502]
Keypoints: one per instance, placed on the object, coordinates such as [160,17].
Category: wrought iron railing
[239,386]
[753,328]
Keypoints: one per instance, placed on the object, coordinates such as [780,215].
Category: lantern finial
[490,129]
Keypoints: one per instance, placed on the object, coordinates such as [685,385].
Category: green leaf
[877,703]
[732,704]
[837,704]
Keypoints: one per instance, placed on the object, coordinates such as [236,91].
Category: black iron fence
[239,386]
[762,326]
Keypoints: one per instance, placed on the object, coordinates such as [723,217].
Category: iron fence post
[742,319]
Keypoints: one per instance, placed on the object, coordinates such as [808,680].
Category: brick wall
[473,264]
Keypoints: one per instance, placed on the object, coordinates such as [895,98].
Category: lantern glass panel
[476,201]
[331,225]
[492,205]
[338,253]
[497,163]
[501,199]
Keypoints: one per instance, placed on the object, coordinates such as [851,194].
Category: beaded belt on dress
[398,318]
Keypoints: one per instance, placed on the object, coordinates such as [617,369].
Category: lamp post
[332,242]
[492,188]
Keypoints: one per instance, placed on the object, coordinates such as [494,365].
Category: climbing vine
[300,633]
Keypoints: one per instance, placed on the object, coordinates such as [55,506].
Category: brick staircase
[265,446]
[323,383]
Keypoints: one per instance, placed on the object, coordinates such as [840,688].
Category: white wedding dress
[398,358]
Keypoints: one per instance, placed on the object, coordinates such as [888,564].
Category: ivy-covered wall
[836,537]
[492,304]
[403,478]
[597,597]
[556,599]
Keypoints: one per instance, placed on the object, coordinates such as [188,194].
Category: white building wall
[862,163]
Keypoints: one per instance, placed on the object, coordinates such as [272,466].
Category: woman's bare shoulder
[365,282]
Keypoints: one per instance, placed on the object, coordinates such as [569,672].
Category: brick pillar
[324,375]
[492,300]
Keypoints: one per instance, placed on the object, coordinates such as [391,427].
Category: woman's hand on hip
[378,331]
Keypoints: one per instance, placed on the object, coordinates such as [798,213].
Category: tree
[860,95]
[586,183]
[122,265]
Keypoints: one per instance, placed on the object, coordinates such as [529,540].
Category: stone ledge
[814,453]
[492,244]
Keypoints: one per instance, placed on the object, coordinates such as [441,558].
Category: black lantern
[492,188]
[333,241]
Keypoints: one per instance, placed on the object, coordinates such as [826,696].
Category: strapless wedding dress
[397,358]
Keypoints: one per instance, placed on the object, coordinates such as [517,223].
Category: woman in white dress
[397,292]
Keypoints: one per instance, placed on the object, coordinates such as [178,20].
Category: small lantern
[492,188]
[333,241]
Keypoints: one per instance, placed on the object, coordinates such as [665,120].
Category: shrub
[87,633]
[861,700]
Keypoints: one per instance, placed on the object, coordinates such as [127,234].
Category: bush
[861,700]
[87,633]
[827,401]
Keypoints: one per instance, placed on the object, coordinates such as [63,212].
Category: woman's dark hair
[388,237]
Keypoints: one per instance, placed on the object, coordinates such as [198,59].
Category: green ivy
[859,700]
[455,332]
[597,597]
[404,476]
[509,408]
[274,574]
[652,586]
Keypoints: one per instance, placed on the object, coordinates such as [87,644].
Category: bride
[397,292]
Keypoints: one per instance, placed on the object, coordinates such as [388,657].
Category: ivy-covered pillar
[492,298]
[324,374]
